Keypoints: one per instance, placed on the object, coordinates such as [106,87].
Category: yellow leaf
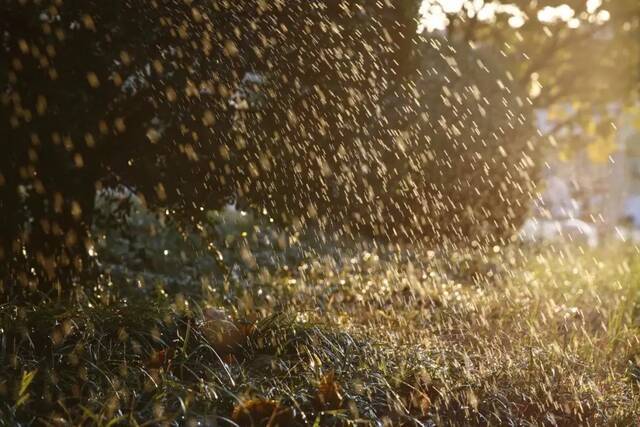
[563,155]
[23,396]
[600,150]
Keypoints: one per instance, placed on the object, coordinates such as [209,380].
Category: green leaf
[23,396]
[22,400]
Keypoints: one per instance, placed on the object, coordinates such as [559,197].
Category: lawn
[393,336]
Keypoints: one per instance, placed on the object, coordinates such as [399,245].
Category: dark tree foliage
[89,88]
[403,139]
[364,126]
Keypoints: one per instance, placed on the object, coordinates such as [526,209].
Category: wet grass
[500,337]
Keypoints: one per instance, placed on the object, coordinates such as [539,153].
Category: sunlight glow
[593,5]
[435,13]
[451,6]
[552,14]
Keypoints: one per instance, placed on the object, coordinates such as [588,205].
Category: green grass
[499,337]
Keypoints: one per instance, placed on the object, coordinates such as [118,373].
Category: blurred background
[580,62]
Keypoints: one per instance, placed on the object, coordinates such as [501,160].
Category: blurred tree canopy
[580,59]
